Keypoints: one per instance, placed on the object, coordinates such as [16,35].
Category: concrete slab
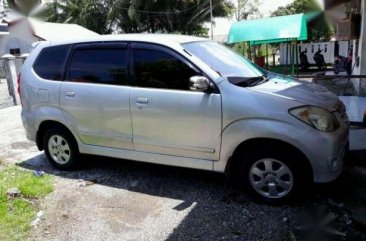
[356,107]
[14,146]
[358,139]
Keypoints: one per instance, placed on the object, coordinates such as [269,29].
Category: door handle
[70,93]
[142,101]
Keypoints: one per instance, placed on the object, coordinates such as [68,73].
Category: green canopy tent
[272,30]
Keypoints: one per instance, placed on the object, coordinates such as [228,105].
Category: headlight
[316,117]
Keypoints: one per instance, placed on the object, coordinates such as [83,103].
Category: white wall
[360,86]
[311,49]
[20,36]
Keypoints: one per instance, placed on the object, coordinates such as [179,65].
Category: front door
[167,117]
[95,97]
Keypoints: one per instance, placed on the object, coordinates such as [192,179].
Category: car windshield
[237,69]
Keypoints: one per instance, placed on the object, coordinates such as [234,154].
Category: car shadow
[218,212]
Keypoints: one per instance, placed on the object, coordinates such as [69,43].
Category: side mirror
[199,83]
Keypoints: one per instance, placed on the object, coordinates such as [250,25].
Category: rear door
[94,97]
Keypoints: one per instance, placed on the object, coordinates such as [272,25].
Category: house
[20,32]
[349,16]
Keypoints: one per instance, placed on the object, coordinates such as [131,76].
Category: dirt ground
[108,199]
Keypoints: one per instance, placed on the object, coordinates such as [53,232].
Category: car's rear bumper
[29,125]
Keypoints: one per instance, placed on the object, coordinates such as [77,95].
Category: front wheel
[60,148]
[271,175]
[271,178]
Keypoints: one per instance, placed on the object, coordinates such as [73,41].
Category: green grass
[16,214]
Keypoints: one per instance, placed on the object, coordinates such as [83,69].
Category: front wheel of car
[271,175]
[60,148]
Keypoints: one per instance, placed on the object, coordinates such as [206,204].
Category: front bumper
[326,152]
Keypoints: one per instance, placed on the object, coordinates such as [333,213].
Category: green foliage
[319,29]
[297,6]
[17,213]
[131,16]
[88,13]
[165,16]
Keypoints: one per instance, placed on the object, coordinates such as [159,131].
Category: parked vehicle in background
[304,63]
[181,101]
[342,64]
[319,59]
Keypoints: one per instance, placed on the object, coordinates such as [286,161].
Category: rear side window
[104,66]
[51,61]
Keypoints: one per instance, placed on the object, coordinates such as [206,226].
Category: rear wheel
[60,148]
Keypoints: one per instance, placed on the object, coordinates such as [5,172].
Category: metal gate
[6,100]
[6,81]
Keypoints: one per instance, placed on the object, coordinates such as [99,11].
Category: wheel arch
[44,126]
[233,163]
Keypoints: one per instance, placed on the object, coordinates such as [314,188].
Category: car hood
[300,91]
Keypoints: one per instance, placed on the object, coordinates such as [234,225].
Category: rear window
[51,61]
[103,66]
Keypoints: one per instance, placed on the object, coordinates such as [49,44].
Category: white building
[23,31]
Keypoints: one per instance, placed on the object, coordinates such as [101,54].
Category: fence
[9,68]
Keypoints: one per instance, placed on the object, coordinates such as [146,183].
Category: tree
[179,16]
[131,16]
[246,8]
[319,29]
[88,13]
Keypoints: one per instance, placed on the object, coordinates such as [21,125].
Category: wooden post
[297,57]
[292,58]
[287,54]
[249,51]
[266,56]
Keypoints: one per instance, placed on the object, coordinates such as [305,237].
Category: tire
[270,174]
[61,148]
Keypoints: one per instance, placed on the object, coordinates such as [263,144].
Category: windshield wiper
[248,82]
[260,80]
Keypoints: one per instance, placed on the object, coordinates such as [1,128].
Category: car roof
[164,39]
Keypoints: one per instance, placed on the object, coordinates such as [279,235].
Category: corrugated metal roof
[269,30]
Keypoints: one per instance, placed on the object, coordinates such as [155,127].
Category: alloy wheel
[59,149]
[271,178]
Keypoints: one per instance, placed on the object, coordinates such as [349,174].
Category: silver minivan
[181,101]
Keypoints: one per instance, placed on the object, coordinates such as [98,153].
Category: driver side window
[157,69]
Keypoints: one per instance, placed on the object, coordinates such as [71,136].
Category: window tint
[105,66]
[50,62]
[156,69]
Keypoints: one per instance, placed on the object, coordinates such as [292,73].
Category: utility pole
[211,20]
